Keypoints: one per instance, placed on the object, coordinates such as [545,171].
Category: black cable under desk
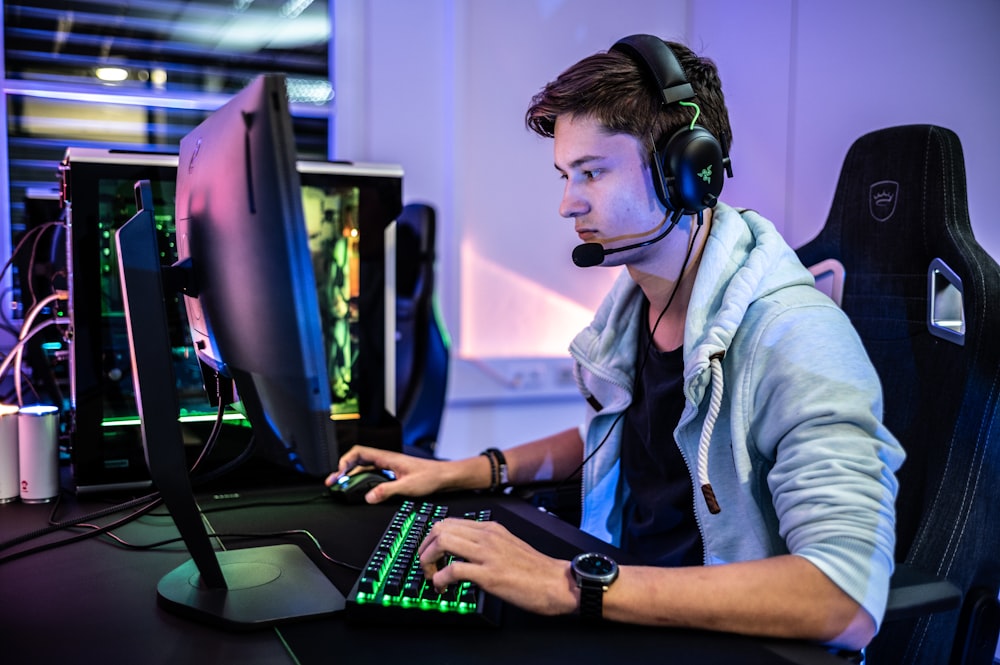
[94,601]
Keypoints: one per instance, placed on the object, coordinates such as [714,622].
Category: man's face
[608,191]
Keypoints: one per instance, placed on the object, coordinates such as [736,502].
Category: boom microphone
[588,254]
[591,254]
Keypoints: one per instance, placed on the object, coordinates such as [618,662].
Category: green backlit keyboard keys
[392,585]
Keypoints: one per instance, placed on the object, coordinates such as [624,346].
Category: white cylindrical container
[10,471]
[38,448]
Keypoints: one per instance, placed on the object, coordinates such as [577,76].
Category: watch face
[596,566]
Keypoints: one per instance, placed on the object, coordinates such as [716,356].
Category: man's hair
[621,94]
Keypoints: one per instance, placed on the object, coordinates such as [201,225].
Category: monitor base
[265,586]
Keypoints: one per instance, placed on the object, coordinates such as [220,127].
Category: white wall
[441,86]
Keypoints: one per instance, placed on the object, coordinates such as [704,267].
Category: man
[713,357]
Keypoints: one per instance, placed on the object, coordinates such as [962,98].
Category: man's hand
[501,564]
[415,476]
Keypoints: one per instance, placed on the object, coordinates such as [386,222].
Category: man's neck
[668,326]
[668,297]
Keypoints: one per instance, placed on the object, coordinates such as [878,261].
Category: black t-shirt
[660,526]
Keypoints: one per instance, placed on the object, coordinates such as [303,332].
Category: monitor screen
[275,289]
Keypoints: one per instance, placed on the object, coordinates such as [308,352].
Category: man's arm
[784,596]
[552,458]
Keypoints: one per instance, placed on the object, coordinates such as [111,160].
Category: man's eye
[590,175]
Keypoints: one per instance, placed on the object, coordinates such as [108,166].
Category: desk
[94,602]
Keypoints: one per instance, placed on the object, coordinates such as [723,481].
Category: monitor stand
[238,589]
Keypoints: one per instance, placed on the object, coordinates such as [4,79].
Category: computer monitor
[244,588]
[251,290]
[252,304]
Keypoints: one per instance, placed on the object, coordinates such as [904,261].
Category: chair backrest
[925,298]
[422,345]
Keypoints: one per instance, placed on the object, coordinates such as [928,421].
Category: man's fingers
[454,573]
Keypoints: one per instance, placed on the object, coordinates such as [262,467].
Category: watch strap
[591,600]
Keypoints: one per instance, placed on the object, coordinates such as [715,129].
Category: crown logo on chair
[882,199]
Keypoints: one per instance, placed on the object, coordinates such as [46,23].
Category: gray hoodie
[782,418]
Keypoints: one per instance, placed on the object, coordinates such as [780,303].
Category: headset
[687,168]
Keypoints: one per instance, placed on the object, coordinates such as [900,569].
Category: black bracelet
[499,465]
[493,469]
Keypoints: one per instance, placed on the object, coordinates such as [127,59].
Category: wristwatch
[594,573]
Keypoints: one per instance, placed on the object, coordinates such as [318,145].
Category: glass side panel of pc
[347,209]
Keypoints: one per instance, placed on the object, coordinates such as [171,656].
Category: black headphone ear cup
[690,169]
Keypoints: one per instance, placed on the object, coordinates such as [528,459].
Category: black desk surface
[92,601]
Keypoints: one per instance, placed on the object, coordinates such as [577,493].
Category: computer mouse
[352,487]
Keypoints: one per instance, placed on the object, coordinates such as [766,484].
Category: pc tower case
[106,450]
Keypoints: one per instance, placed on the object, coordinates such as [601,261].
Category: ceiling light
[309,91]
[111,74]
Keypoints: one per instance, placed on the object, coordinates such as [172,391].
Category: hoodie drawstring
[714,406]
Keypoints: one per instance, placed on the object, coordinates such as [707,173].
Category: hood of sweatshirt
[744,259]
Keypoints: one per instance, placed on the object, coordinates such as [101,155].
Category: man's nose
[572,204]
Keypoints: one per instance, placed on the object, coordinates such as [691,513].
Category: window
[138,76]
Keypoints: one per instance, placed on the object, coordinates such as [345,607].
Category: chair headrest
[901,199]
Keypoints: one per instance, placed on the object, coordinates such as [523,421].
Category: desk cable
[145,504]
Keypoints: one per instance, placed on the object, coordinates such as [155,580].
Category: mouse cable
[121,542]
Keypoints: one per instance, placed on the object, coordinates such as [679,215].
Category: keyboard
[392,586]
